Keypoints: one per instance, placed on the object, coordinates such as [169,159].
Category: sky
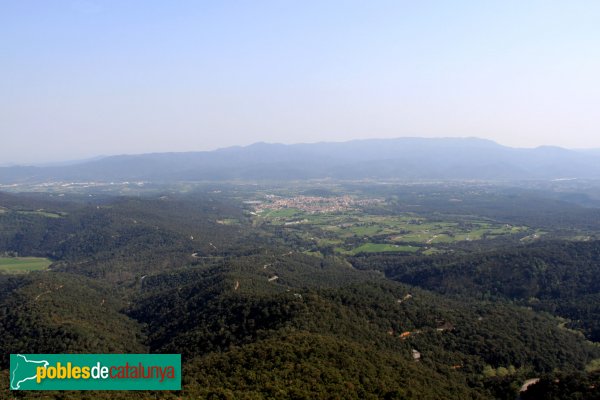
[83,78]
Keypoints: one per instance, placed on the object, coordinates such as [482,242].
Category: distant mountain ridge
[402,158]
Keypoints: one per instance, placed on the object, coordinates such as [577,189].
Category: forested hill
[257,317]
[554,276]
[404,158]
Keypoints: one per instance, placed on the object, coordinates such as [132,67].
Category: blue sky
[84,78]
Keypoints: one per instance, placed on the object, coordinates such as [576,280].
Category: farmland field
[354,231]
[19,265]
[41,213]
[380,248]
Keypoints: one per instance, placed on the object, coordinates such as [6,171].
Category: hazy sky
[84,78]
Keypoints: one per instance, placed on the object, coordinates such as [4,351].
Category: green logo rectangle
[95,371]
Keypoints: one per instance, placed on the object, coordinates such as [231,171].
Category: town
[314,204]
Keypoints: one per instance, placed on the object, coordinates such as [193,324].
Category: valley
[310,291]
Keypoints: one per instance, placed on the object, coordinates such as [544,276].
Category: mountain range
[402,159]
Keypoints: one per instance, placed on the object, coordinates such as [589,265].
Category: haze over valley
[389,159]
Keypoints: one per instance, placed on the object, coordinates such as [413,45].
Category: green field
[381,248]
[283,213]
[41,213]
[228,221]
[355,232]
[20,265]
